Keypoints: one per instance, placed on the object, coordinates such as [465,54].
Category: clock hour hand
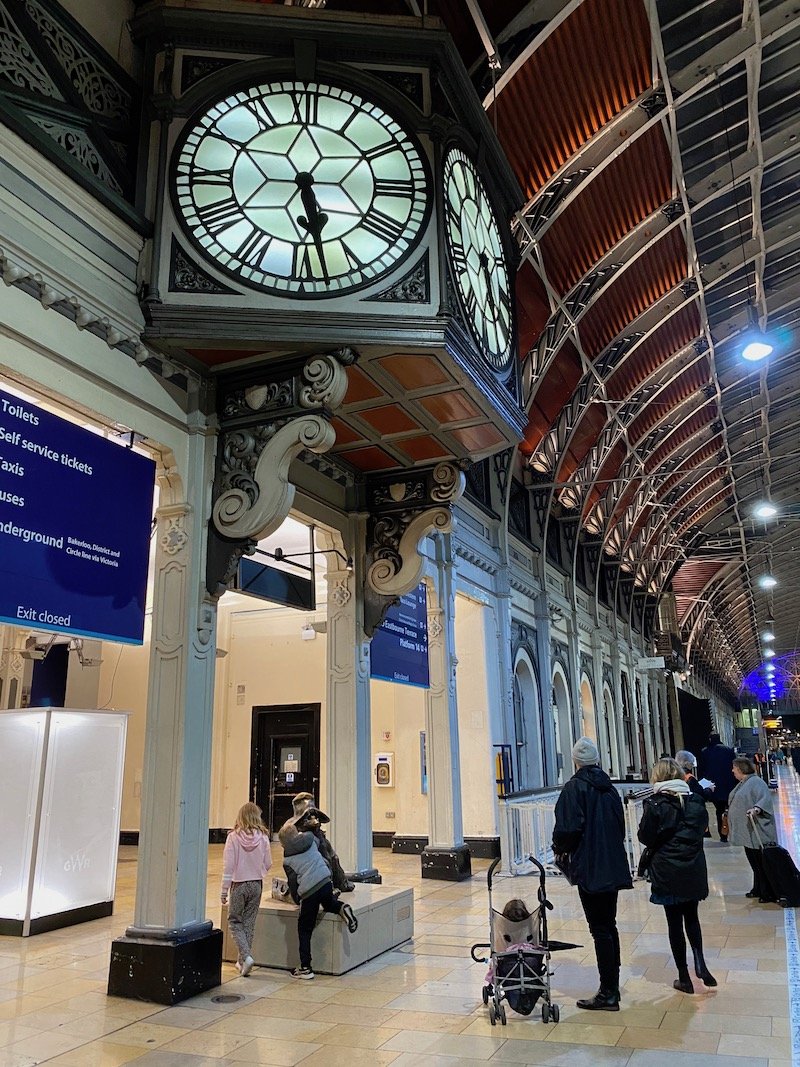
[483,259]
[314,220]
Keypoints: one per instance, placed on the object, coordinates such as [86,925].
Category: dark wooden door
[284,758]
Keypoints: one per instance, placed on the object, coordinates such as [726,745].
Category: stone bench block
[385,920]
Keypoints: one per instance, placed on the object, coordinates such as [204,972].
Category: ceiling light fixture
[756,344]
[767,581]
[768,635]
[768,653]
[765,510]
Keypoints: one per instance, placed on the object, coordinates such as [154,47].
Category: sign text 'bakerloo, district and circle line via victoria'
[75,515]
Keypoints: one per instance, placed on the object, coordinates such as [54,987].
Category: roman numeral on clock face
[305,108]
[253,249]
[218,217]
[401,187]
[261,113]
[383,226]
[303,266]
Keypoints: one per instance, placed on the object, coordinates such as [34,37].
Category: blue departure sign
[75,515]
[399,649]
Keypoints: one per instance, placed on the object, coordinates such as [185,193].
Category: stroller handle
[533,860]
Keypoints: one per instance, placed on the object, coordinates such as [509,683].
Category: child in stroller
[519,950]
[515,946]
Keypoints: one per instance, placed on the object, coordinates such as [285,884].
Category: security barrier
[526,828]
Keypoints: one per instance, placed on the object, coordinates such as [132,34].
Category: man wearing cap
[300,804]
[590,828]
[309,878]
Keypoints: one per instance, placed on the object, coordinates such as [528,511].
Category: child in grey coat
[310,885]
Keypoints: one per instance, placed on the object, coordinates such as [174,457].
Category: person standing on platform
[672,827]
[751,798]
[716,761]
[590,829]
[246,859]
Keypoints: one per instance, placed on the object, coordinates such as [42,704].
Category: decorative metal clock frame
[305,190]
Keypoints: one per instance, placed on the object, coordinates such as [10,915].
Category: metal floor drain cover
[226,998]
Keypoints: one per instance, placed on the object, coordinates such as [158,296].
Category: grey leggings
[243,903]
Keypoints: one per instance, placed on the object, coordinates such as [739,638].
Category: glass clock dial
[476,256]
[301,189]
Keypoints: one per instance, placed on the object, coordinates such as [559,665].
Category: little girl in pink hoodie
[245,861]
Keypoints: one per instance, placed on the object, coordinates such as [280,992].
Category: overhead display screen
[399,648]
[75,516]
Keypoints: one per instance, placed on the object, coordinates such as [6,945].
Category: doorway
[284,758]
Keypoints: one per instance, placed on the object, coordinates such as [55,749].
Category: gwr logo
[78,861]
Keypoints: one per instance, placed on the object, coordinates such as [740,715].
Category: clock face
[476,255]
[301,189]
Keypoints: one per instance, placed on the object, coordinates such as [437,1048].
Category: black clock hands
[483,259]
[314,220]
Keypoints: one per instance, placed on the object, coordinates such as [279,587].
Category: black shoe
[767,900]
[683,986]
[753,893]
[304,973]
[723,840]
[349,916]
[603,1000]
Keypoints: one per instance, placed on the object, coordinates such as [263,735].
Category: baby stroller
[519,971]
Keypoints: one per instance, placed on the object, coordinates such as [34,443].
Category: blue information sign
[399,649]
[75,515]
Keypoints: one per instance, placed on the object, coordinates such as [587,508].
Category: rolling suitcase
[780,870]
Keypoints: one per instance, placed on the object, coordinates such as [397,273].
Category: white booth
[60,791]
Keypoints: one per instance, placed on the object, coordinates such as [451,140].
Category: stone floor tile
[555,1054]
[585,1033]
[98,1054]
[350,1057]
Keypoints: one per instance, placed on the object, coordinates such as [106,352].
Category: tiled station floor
[421,1005]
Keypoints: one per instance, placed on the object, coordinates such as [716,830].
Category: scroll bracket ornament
[402,514]
[253,494]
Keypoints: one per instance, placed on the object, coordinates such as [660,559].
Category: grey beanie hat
[584,752]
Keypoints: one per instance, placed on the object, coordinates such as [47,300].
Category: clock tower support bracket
[266,422]
[403,509]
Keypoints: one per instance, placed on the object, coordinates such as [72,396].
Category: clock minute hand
[314,220]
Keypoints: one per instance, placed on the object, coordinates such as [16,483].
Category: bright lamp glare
[753,351]
[768,635]
[765,510]
[768,581]
[768,653]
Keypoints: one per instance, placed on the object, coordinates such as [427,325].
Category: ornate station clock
[301,189]
[477,260]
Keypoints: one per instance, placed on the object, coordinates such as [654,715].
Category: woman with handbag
[751,797]
[672,828]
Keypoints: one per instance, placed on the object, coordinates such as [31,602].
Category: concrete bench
[385,920]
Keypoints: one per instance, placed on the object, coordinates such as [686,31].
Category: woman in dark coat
[672,829]
[590,829]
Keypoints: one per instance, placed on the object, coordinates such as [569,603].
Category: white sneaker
[247,966]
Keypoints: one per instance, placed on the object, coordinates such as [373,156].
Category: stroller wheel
[554,1011]
[545,1012]
[485,994]
[502,1013]
[492,1015]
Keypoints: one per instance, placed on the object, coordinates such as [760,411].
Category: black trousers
[761,884]
[309,909]
[600,910]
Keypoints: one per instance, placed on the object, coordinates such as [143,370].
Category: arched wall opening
[562,717]
[529,725]
[587,709]
[608,748]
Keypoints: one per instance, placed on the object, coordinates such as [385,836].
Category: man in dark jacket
[716,764]
[590,827]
